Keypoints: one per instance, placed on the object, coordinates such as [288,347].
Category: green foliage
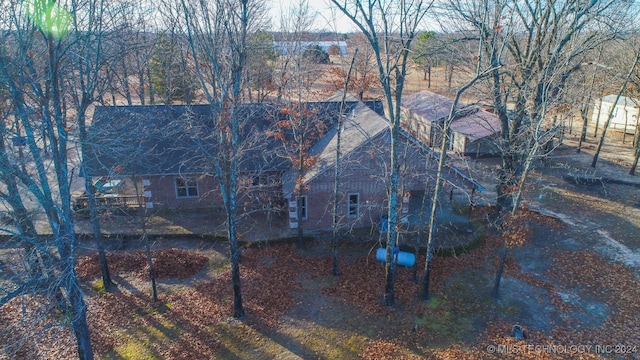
[261,59]
[315,54]
[170,76]
[425,50]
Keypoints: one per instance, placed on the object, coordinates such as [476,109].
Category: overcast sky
[326,19]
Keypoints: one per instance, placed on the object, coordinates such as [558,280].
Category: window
[264,180]
[186,187]
[354,205]
[303,207]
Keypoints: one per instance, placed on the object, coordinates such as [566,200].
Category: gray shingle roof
[361,125]
[164,139]
[172,139]
[477,125]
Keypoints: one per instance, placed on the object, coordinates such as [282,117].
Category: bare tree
[261,64]
[217,35]
[365,72]
[39,69]
[586,103]
[390,28]
[300,127]
[336,187]
[364,78]
[611,114]
[294,26]
[85,87]
[533,48]
[444,146]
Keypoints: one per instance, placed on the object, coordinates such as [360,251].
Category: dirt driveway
[601,205]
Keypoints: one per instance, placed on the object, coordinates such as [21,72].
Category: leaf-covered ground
[571,302]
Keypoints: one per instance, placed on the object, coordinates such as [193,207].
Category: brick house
[473,129]
[158,150]
[365,149]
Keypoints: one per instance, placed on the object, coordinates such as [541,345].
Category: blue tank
[403,258]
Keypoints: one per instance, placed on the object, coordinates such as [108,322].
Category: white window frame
[186,187]
[350,206]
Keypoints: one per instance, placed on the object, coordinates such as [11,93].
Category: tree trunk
[141,83]
[611,113]
[636,147]
[20,216]
[336,176]
[583,133]
[632,171]
[595,131]
[79,323]
[585,110]
[152,272]
[433,221]
[97,234]
[416,249]
[238,309]
[125,82]
[499,272]
[300,242]
[91,201]
[392,233]
[151,94]
[104,267]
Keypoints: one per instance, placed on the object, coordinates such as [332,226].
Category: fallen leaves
[194,321]
[168,263]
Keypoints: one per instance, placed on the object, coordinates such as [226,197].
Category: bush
[334,50]
[316,54]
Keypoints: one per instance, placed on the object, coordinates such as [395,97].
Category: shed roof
[470,121]
[429,106]
[624,100]
[477,125]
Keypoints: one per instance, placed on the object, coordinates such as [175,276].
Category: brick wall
[251,196]
[365,172]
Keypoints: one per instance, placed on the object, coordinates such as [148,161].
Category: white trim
[186,187]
